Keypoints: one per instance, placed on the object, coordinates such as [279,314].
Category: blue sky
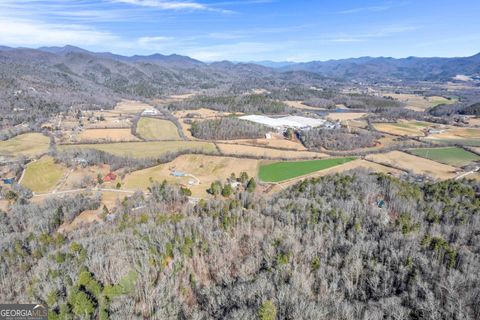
[279,30]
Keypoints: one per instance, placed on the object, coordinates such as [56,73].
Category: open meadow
[130,107]
[419,103]
[252,151]
[452,156]
[200,171]
[404,128]
[106,135]
[276,141]
[42,175]
[142,150]
[414,164]
[345,116]
[280,171]
[157,129]
[27,144]
[342,168]
[456,135]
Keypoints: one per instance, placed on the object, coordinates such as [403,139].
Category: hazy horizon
[250,30]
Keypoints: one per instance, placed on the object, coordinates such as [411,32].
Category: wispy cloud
[166,5]
[158,40]
[173,5]
[366,9]
[359,37]
[22,32]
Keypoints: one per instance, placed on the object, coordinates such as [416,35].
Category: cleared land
[28,144]
[86,217]
[419,103]
[201,113]
[130,107]
[75,176]
[243,150]
[206,168]
[403,128]
[352,165]
[103,135]
[280,171]
[141,150]
[157,129]
[345,116]
[452,156]
[300,105]
[417,165]
[42,175]
[275,142]
[463,136]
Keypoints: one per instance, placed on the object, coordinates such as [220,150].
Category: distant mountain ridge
[411,68]
[365,68]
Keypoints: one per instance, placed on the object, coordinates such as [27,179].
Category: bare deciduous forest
[353,246]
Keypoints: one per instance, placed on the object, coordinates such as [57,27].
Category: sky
[248,30]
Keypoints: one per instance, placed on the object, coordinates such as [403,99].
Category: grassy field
[104,135]
[205,168]
[157,129]
[420,103]
[352,165]
[42,175]
[452,156]
[239,150]
[414,164]
[142,150]
[280,171]
[462,136]
[28,144]
[403,128]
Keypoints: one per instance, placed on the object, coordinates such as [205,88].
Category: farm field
[280,171]
[106,135]
[274,142]
[345,116]
[141,150]
[300,105]
[130,107]
[243,150]
[417,165]
[352,165]
[205,168]
[42,175]
[419,103]
[157,129]
[201,113]
[27,144]
[463,136]
[453,156]
[403,128]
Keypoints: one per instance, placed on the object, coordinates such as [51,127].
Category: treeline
[247,103]
[227,128]
[338,139]
[353,246]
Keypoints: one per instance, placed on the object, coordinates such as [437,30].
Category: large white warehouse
[294,122]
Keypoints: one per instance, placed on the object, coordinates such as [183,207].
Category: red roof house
[110,177]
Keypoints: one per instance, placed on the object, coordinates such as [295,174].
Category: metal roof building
[295,122]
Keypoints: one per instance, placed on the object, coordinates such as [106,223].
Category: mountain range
[56,78]
[365,68]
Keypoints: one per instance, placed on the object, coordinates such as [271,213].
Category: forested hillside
[353,246]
